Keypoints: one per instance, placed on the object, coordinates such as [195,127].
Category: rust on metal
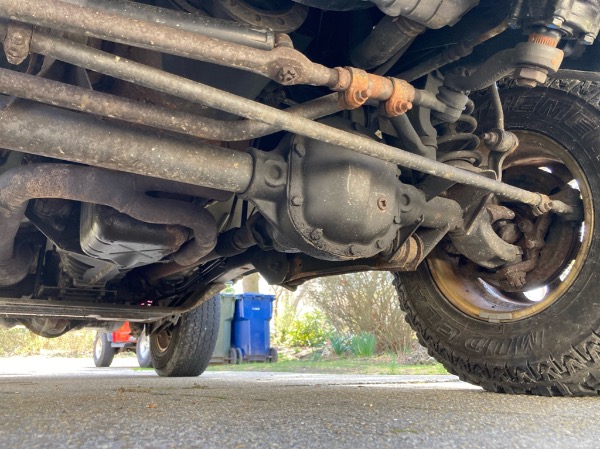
[408,256]
[79,99]
[516,274]
[17,42]
[544,39]
[401,101]
[356,87]
[342,81]
[357,92]
[381,88]
[118,28]
[161,81]
[283,64]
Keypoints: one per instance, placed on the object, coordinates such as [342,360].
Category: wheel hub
[163,339]
[553,247]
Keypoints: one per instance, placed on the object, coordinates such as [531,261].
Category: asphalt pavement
[66,403]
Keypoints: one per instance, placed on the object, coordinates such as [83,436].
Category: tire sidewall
[162,359]
[571,321]
[192,343]
[142,351]
[107,353]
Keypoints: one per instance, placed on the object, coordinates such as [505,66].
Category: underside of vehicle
[152,151]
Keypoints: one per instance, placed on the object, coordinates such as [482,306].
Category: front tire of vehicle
[502,340]
[103,351]
[184,349]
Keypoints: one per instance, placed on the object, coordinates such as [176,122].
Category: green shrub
[21,342]
[316,355]
[340,343]
[363,302]
[310,329]
[363,344]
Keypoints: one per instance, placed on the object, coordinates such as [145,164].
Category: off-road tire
[104,353]
[192,343]
[555,352]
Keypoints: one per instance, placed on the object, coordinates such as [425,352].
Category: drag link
[282,63]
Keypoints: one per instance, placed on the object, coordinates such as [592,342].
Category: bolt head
[588,39]
[297,201]
[287,74]
[557,21]
[317,234]
[360,96]
[529,77]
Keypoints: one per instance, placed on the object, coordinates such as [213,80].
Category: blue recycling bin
[251,327]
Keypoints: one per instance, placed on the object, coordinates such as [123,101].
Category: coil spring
[463,142]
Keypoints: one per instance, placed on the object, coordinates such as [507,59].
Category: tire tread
[195,343]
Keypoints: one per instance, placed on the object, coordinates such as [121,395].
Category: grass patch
[341,366]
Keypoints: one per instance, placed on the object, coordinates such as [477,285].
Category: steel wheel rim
[484,301]
[98,348]
[144,344]
[163,339]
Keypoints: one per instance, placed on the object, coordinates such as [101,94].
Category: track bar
[99,61]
